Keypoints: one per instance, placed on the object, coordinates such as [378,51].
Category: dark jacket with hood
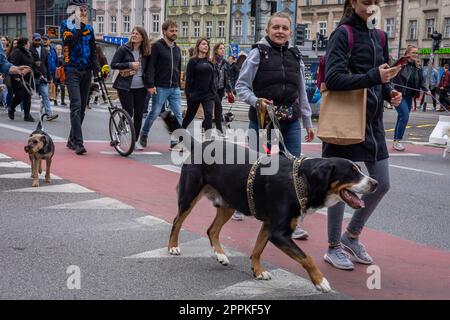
[20,56]
[410,76]
[165,65]
[44,69]
[122,60]
[356,70]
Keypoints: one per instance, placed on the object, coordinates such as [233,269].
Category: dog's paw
[222,258]
[48,180]
[265,275]
[175,251]
[35,183]
[324,286]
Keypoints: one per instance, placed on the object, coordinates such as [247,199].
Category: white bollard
[440,134]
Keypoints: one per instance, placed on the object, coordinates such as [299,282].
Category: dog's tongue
[352,199]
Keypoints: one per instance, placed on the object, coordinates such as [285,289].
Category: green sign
[440,51]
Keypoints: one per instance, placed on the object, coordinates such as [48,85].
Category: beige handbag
[342,117]
[127,72]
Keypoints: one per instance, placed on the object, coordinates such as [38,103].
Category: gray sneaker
[338,259]
[238,216]
[356,249]
[300,234]
[143,140]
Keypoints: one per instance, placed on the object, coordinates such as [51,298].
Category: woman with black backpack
[364,66]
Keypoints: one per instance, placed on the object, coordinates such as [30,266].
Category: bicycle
[121,127]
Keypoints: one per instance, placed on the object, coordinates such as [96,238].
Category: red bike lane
[409,270]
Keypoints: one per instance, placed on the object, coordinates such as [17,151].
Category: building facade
[199,18]
[17,18]
[323,16]
[248,26]
[116,18]
[420,19]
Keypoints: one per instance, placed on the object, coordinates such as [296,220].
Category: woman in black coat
[364,67]
[132,86]
[199,87]
[21,56]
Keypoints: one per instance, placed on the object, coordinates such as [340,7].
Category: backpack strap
[381,37]
[350,38]
[263,51]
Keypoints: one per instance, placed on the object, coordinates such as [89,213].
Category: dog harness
[297,179]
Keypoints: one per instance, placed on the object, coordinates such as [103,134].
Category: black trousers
[20,94]
[217,110]
[433,93]
[133,102]
[78,84]
[192,108]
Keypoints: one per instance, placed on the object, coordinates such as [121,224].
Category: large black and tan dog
[327,182]
[40,146]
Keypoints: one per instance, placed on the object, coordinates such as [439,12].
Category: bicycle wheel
[121,131]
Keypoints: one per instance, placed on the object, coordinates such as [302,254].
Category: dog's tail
[39,125]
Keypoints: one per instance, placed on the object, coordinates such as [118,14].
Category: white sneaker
[238,216]
[138,147]
[398,146]
[177,147]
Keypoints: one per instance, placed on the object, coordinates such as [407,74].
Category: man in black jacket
[165,66]
[42,74]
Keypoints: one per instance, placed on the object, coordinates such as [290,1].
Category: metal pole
[317,44]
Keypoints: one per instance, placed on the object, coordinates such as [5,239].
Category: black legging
[133,102]
[217,110]
[20,94]
[192,107]
[433,93]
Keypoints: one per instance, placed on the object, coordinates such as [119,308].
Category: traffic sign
[116,40]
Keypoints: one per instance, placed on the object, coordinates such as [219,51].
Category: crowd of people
[272,74]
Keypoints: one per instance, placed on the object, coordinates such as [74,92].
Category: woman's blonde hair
[408,50]
[283,15]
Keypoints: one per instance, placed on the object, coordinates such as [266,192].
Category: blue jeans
[173,96]
[42,88]
[78,84]
[403,111]
[291,133]
[380,172]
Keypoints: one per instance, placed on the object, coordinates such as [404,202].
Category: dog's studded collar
[300,186]
[297,179]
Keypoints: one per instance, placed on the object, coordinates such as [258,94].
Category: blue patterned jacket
[79,48]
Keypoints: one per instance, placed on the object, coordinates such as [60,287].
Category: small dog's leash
[30,87]
[423,92]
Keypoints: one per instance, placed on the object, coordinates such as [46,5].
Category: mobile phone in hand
[401,62]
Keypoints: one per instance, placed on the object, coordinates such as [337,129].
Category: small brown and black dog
[40,147]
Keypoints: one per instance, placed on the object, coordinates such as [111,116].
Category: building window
[335,24]
[308,2]
[197,3]
[412,30]
[209,29]
[389,27]
[322,27]
[323,2]
[221,29]
[185,3]
[113,24]
[223,2]
[196,29]
[447,28]
[126,24]
[185,29]
[101,24]
[238,28]
[307,30]
[173,3]
[252,27]
[13,25]
[340,1]
[429,27]
[155,23]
